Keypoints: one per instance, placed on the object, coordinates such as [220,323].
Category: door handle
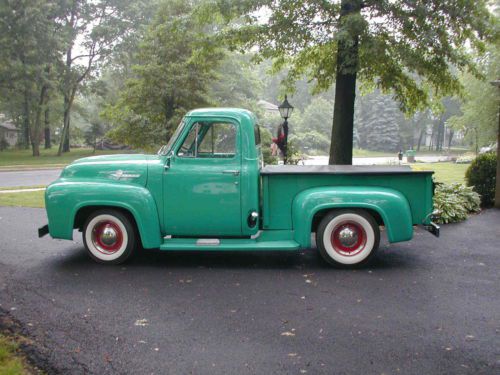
[233,172]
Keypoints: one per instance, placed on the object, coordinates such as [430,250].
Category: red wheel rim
[107,237]
[348,238]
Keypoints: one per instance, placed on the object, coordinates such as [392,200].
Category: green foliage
[171,77]
[403,41]
[479,108]
[294,156]
[95,27]
[10,363]
[407,48]
[30,47]
[455,201]
[481,175]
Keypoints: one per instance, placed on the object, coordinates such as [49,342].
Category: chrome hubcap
[109,236]
[348,237]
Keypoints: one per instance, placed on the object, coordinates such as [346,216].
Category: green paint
[189,195]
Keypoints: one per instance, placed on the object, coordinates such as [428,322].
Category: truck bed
[339,169]
[281,184]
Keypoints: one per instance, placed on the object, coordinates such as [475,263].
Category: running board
[208,244]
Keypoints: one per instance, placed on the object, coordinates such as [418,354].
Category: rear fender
[391,205]
[63,199]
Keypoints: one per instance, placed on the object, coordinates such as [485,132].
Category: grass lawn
[10,362]
[48,157]
[360,153]
[444,172]
[27,199]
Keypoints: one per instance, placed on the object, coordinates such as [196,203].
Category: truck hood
[126,168]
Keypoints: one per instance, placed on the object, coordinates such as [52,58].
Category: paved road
[430,306]
[28,178]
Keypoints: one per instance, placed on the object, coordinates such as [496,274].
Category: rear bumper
[42,231]
[433,228]
[430,225]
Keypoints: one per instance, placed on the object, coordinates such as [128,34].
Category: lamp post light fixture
[286,110]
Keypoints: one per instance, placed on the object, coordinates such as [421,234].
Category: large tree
[403,47]
[92,30]
[171,76]
[29,48]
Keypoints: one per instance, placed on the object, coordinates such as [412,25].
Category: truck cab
[208,189]
[212,170]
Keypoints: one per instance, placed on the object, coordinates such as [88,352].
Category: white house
[8,131]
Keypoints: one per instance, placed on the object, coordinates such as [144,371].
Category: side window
[257,134]
[210,140]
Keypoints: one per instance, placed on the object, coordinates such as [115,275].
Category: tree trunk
[345,91]
[450,138]
[497,184]
[37,126]
[440,136]
[48,142]
[422,131]
[64,143]
[68,102]
[26,121]
[66,147]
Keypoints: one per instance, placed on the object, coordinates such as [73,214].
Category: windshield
[165,149]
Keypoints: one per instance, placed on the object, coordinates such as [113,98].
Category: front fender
[390,204]
[63,199]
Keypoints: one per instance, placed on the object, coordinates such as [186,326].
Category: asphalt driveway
[429,306]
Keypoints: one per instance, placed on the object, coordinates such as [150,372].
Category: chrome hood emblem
[121,175]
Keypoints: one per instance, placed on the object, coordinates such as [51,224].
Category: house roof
[267,106]
[6,123]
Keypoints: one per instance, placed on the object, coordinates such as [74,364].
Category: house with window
[8,130]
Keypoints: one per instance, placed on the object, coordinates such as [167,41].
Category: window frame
[200,121]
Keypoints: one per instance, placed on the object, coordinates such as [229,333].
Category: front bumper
[43,231]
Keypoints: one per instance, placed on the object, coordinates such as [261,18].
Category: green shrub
[455,202]
[481,175]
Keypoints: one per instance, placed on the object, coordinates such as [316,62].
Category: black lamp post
[286,110]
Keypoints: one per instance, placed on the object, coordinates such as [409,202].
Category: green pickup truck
[208,189]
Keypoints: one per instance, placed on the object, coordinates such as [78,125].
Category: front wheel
[109,236]
[348,237]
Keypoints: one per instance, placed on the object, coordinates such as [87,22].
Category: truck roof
[237,113]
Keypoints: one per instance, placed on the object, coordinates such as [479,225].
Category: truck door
[202,183]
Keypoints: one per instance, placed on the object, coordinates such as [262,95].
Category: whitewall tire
[109,236]
[348,237]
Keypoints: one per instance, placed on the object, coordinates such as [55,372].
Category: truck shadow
[387,258]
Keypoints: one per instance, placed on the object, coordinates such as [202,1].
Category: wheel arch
[319,215]
[68,203]
[388,207]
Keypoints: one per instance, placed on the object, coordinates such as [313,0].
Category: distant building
[8,130]
[268,107]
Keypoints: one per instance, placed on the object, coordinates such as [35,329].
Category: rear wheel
[109,236]
[348,237]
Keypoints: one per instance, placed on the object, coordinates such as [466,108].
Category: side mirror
[167,161]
